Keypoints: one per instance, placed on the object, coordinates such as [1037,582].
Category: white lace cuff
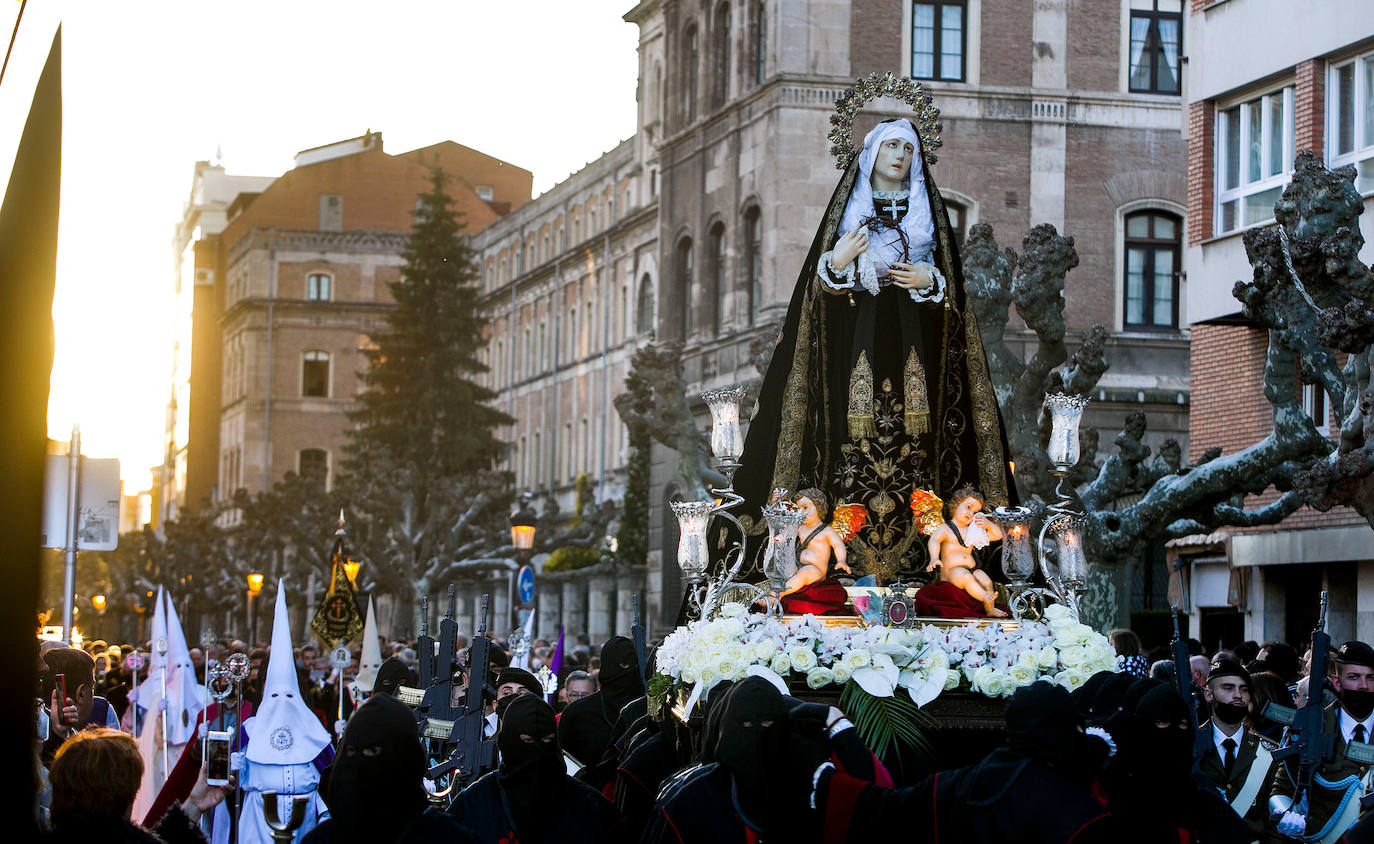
[935,293]
[834,279]
[1099,733]
[868,274]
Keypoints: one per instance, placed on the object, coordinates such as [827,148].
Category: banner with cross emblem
[338,619]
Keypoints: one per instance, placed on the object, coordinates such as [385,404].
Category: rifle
[473,754]
[1307,737]
[436,709]
[1186,687]
[424,647]
[638,635]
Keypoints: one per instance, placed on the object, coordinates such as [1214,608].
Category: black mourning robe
[576,813]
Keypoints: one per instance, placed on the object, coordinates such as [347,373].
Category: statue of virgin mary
[879,385]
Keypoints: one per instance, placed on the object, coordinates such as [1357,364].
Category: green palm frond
[892,727]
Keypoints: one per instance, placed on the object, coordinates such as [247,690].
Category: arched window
[760,39]
[753,262]
[720,290]
[315,374]
[312,464]
[721,33]
[644,306]
[684,280]
[1152,270]
[319,287]
[691,47]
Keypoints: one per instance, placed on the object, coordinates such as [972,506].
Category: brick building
[1257,93]
[694,230]
[291,279]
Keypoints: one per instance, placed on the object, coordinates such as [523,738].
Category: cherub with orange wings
[821,541]
[953,540]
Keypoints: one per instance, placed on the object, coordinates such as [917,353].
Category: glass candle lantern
[727,442]
[780,560]
[1017,560]
[692,553]
[1073,563]
[1066,412]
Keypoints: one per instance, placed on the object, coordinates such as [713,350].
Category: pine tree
[423,448]
[422,406]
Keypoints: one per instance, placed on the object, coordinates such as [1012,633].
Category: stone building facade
[1257,94]
[1053,112]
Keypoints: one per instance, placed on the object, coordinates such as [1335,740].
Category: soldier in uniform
[1235,759]
[1333,804]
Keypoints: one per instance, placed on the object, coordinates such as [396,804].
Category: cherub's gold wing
[927,510]
[848,519]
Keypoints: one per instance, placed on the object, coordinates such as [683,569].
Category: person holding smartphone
[72,701]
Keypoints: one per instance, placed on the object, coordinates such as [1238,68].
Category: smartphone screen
[217,753]
[61,680]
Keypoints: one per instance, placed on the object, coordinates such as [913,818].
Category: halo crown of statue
[866,89]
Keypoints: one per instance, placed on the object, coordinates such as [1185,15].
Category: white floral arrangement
[924,661]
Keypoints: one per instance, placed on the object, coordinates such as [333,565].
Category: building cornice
[357,241]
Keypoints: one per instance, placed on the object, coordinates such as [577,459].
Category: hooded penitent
[585,727]
[531,763]
[371,660]
[1044,724]
[393,674]
[283,731]
[185,700]
[375,784]
[753,739]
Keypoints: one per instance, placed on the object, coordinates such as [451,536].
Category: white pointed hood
[284,731]
[185,696]
[371,660]
[148,693]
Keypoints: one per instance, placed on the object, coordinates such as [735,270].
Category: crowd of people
[1115,760]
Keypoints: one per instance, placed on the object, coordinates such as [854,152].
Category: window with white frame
[1156,44]
[937,39]
[1254,159]
[1350,137]
[318,287]
[1314,405]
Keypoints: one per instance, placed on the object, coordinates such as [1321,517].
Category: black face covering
[1231,713]
[753,739]
[374,787]
[1358,703]
[1044,723]
[715,707]
[529,770]
[392,675]
[620,678]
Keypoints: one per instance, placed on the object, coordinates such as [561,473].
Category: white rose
[1022,674]
[733,610]
[689,676]
[1073,656]
[1027,658]
[780,664]
[1056,611]
[709,677]
[1046,658]
[763,651]
[951,681]
[841,673]
[817,677]
[803,659]
[980,678]
[857,658]
[726,667]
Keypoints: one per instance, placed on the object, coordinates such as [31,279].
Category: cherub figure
[951,548]
[820,541]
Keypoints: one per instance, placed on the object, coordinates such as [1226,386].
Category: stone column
[600,608]
[465,610]
[549,600]
[498,619]
[574,608]
[630,584]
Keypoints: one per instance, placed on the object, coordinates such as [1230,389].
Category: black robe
[577,814]
[798,437]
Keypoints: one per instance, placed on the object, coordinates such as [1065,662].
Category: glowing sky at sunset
[150,88]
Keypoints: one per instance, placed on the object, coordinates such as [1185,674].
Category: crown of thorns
[868,88]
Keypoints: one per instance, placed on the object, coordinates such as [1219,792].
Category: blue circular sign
[524,584]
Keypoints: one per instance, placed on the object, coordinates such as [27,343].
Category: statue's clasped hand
[912,276]
[850,246]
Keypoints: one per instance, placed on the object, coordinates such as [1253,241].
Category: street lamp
[98,604]
[523,524]
[254,588]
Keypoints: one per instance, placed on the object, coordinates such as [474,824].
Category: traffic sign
[524,585]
